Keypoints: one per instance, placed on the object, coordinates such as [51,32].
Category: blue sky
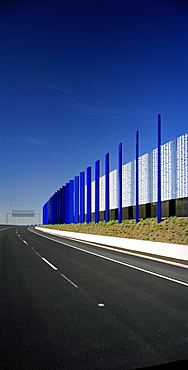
[78,78]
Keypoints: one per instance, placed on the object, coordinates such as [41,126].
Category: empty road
[72,305]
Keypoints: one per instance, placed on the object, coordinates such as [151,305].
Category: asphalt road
[71,305]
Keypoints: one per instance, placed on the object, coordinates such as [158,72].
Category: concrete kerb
[174,252]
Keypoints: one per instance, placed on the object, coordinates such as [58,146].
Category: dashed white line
[116,261]
[38,254]
[25,242]
[69,281]
[49,263]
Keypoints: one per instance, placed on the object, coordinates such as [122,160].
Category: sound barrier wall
[82,197]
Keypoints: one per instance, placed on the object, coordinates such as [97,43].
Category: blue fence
[154,177]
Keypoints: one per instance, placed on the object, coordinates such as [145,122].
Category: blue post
[137,179]
[82,196]
[49,211]
[107,166]
[59,200]
[53,213]
[76,198]
[71,187]
[63,205]
[120,183]
[55,209]
[97,174]
[52,209]
[159,169]
[58,206]
[88,215]
[44,214]
[67,203]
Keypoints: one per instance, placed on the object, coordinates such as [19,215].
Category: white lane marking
[116,261]
[132,253]
[69,280]
[49,263]
[5,228]
[38,254]
[25,242]
[18,233]
[101,304]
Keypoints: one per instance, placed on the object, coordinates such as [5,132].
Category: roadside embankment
[174,252]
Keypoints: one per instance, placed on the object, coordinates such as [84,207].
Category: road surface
[72,305]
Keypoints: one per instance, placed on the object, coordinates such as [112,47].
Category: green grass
[170,230]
